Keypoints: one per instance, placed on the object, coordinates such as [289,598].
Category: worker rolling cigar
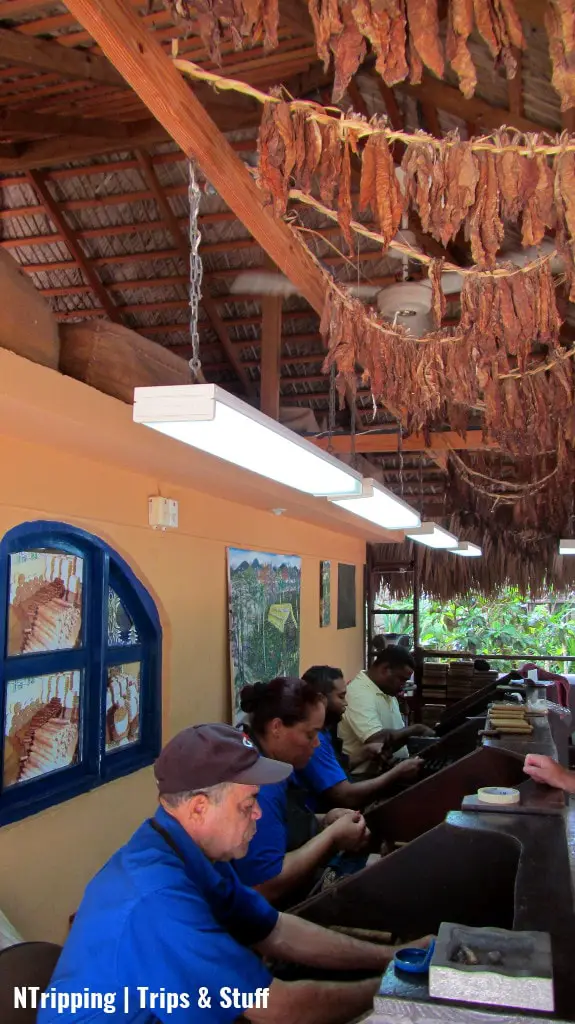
[372,714]
[167,930]
[295,850]
[325,775]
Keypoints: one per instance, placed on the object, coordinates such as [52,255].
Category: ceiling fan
[408,303]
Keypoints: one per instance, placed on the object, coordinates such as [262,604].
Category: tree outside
[506,624]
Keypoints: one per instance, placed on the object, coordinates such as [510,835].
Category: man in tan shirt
[373,714]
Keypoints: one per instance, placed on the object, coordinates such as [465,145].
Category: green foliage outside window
[506,624]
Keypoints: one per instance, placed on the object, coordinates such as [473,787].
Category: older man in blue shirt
[166,931]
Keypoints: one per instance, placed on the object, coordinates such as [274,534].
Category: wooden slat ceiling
[93,195]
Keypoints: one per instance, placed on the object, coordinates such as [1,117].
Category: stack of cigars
[510,719]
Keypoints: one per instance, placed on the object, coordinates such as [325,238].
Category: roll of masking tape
[498,795]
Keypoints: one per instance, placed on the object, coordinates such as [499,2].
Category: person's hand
[335,814]
[350,832]
[422,730]
[544,769]
[406,769]
[372,751]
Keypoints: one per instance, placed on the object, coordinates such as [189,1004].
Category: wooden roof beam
[23,122]
[17,48]
[38,182]
[483,116]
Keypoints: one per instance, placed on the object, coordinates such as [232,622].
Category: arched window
[80,644]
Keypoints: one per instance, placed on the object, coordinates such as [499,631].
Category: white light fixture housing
[210,419]
[467,550]
[433,536]
[567,546]
[379,506]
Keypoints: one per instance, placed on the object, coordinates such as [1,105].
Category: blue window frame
[80,668]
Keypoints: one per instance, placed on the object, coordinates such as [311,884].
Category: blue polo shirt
[323,770]
[150,920]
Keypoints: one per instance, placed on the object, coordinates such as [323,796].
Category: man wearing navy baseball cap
[166,931]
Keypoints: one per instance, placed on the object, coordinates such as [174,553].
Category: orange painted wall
[47,859]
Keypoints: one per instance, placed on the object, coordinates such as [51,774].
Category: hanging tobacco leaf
[298,129]
[560,25]
[418,165]
[349,50]
[270,18]
[312,149]
[499,26]
[438,300]
[389,197]
[245,20]
[367,189]
[379,188]
[510,177]
[272,159]
[441,186]
[538,187]
[424,27]
[564,167]
[415,61]
[344,196]
[327,24]
[484,227]
[459,28]
[384,26]
[330,164]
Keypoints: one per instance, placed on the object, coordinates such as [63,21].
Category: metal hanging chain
[400,454]
[421,482]
[331,413]
[196,271]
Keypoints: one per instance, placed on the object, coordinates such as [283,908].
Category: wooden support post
[38,182]
[171,222]
[270,365]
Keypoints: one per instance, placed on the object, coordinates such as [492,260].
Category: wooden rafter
[172,225]
[485,117]
[17,48]
[24,122]
[38,182]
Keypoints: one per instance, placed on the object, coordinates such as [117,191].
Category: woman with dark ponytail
[293,847]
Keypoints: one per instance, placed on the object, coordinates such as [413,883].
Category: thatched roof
[85,218]
[512,557]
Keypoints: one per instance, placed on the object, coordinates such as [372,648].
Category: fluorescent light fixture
[433,536]
[379,506]
[209,418]
[567,547]
[467,550]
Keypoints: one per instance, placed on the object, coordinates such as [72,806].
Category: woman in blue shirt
[292,846]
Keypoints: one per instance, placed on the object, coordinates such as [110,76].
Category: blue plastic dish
[414,961]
